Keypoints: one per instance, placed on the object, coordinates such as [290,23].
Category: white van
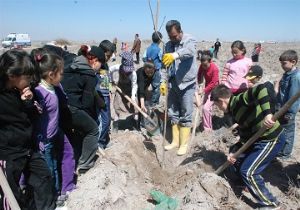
[16,40]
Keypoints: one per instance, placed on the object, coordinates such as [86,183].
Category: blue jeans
[155,87]
[104,123]
[251,164]
[288,135]
[50,153]
[180,104]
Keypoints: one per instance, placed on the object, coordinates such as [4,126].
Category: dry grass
[62,41]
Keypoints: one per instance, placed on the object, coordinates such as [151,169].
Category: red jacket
[211,76]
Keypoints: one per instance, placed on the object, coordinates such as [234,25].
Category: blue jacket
[289,86]
[184,69]
[154,53]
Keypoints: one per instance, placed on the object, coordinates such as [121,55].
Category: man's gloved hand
[163,88]
[168,59]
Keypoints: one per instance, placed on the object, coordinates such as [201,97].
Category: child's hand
[38,107]
[198,103]
[268,121]
[144,108]
[231,159]
[26,94]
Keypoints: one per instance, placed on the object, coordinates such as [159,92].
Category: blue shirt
[289,86]
[154,53]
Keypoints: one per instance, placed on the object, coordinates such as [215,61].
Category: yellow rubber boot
[175,138]
[184,138]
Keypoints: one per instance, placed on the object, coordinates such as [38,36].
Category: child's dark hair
[156,37]
[221,91]
[107,45]
[206,56]
[149,64]
[86,52]
[289,55]
[46,62]
[240,45]
[15,62]
[83,50]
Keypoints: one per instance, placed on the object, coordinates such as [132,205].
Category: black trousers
[39,178]
[86,143]
[137,57]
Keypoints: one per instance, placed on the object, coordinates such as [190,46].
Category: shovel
[137,107]
[8,192]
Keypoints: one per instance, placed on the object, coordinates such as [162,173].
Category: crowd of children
[55,110]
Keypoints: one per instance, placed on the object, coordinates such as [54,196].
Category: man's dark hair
[156,37]
[107,45]
[173,23]
[221,91]
[289,55]
[205,56]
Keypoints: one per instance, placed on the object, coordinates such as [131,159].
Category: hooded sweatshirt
[79,83]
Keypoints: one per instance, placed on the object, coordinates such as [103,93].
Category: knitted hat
[254,72]
[98,52]
[127,62]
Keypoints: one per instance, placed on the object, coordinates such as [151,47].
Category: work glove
[163,88]
[169,58]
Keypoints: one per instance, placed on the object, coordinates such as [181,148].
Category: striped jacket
[249,110]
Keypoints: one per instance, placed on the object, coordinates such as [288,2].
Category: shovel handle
[8,192]
[136,106]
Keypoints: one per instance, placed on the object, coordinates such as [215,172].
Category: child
[210,72]
[145,76]
[211,51]
[256,52]
[79,83]
[154,53]
[251,110]
[253,76]
[18,152]
[127,82]
[236,68]
[54,144]
[103,88]
[289,85]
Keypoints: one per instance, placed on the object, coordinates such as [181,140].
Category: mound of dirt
[123,178]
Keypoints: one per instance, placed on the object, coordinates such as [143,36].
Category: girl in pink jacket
[236,68]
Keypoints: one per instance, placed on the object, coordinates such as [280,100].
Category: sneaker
[61,208]
[61,200]
[100,151]
[278,207]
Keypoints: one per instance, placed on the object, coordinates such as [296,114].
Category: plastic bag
[163,202]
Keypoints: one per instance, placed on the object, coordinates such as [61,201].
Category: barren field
[135,164]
